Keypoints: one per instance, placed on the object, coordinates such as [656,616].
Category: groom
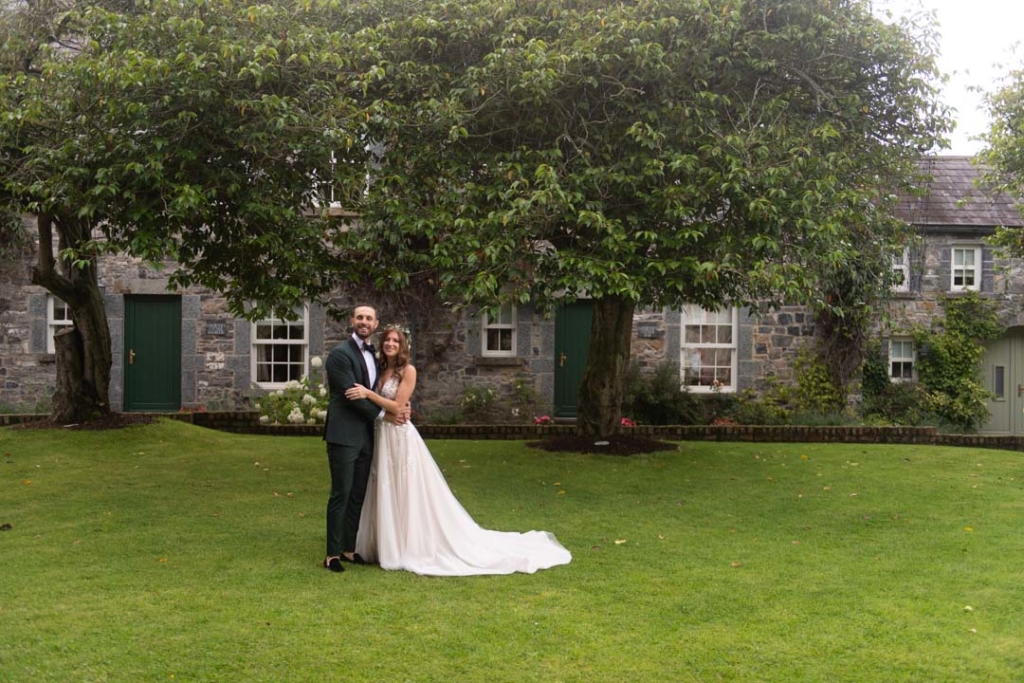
[349,436]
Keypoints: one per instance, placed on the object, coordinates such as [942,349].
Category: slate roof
[952,199]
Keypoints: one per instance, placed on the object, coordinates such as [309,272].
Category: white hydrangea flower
[264,419]
[323,390]
[308,400]
[279,392]
[315,362]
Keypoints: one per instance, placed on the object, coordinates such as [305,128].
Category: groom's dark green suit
[349,436]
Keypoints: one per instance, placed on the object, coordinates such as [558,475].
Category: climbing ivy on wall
[948,357]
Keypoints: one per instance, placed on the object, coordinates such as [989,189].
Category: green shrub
[476,403]
[815,392]
[886,402]
[749,409]
[659,398]
[524,403]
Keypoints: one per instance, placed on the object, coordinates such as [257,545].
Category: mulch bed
[619,444]
[112,421]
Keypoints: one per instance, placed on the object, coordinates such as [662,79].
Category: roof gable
[953,199]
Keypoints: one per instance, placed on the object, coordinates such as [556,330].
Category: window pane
[708,351]
[998,382]
[279,349]
[263,372]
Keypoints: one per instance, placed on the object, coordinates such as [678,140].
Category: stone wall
[27,372]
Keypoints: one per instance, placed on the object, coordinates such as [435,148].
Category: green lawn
[173,553]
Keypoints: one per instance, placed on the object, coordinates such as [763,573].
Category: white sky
[976,35]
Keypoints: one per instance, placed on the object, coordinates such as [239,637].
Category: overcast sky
[976,35]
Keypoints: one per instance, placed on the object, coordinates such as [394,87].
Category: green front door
[152,353]
[572,339]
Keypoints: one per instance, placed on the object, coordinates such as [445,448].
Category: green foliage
[948,357]
[887,402]
[815,390]
[770,409]
[524,403]
[659,398]
[14,239]
[710,154]
[477,402]
[1003,154]
[664,182]
[200,132]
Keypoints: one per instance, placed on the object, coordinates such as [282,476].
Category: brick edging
[247,422]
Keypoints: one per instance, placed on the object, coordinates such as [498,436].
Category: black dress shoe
[356,559]
[333,564]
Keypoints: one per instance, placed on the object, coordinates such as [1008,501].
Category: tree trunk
[83,364]
[600,400]
[84,356]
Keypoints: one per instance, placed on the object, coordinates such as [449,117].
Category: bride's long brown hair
[404,353]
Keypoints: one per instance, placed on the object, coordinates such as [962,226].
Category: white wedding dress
[411,520]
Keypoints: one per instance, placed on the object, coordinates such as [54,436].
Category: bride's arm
[401,400]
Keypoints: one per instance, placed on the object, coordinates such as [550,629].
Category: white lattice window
[58,317]
[279,350]
[901,271]
[499,332]
[965,268]
[708,353]
[901,359]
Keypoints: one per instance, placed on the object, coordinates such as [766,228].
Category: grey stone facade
[217,348]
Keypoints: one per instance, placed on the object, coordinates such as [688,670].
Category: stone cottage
[184,350]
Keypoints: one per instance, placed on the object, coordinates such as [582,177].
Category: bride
[411,520]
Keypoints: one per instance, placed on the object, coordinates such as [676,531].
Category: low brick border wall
[247,422]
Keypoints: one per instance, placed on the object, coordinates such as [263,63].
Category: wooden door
[572,339]
[152,354]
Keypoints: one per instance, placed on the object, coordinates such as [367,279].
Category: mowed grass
[173,553]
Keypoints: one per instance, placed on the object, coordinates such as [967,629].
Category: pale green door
[1003,375]
[572,339]
[152,353]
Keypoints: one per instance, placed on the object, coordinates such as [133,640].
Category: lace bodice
[390,388]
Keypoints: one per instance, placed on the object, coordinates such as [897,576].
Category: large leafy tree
[644,153]
[200,132]
[1003,154]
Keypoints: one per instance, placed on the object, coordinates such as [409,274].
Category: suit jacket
[349,423]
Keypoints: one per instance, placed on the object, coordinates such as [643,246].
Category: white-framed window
[708,353]
[901,359]
[58,316]
[965,268]
[499,332]
[280,350]
[901,271]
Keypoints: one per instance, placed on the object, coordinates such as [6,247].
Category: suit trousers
[350,471]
